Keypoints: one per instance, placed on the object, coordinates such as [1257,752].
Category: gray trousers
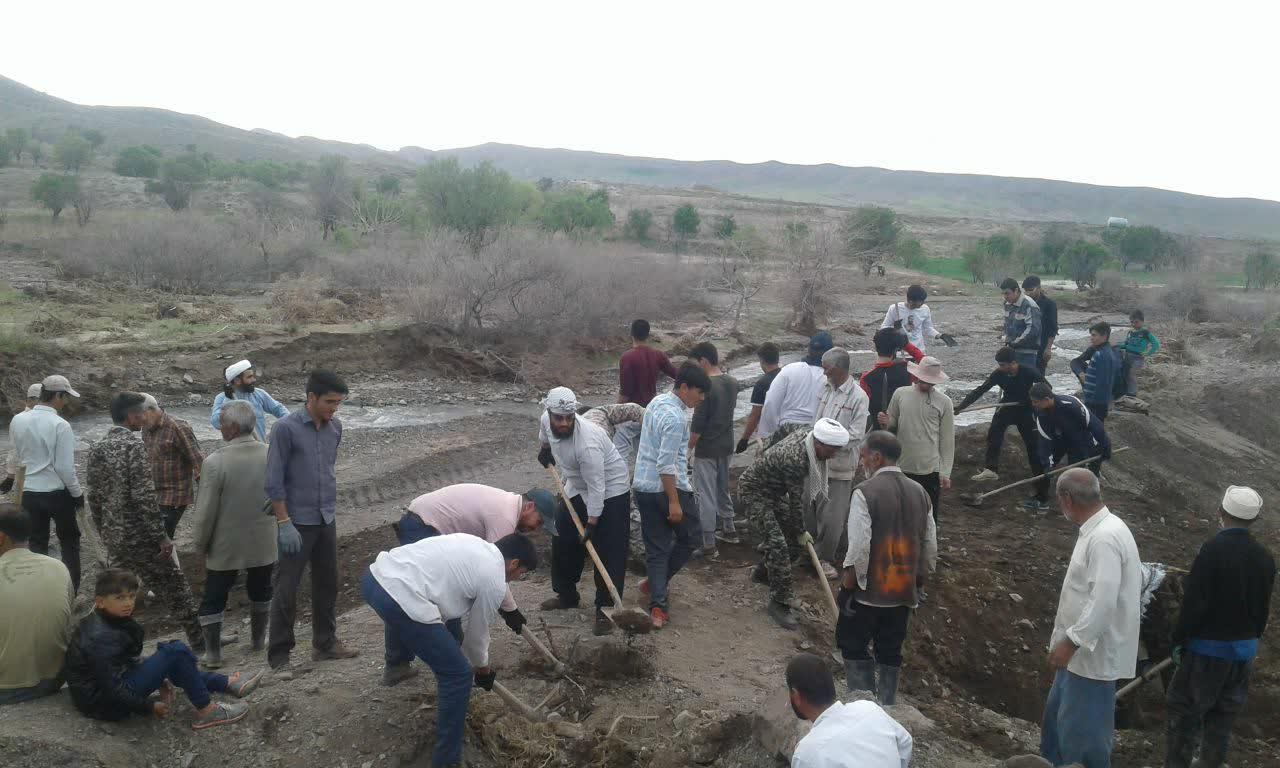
[1203,700]
[320,551]
[828,522]
[711,481]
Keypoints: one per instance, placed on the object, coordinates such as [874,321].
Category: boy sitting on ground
[109,681]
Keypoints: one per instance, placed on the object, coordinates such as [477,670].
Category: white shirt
[848,405]
[1098,609]
[916,323]
[447,577]
[43,441]
[855,735]
[858,556]
[589,463]
[792,397]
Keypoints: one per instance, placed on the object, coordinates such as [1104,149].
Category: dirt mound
[1242,408]
[1267,345]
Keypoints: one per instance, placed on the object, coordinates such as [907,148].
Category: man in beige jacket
[233,529]
[924,421]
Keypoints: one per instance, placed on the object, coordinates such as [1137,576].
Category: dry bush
[1191,296]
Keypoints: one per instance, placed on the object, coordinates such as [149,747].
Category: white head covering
[33,391]
[1241,502]
[829,432]
[561,401]
[235,369]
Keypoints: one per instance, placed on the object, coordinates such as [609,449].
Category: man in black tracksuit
[1015,382]
[1067,428]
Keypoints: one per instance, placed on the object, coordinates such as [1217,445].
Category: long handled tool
[19,480]
[989,407]
[627,619]
[1147,676]
[542,649]
[515,703]
[807,540]
[976,501]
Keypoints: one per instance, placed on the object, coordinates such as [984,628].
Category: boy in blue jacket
[1097,368]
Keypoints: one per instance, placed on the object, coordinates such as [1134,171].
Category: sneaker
[781,615]
[659,617]
[397,673]
[829,572]
[241,684]
[603,625]
[985,475]
[728,538]
[338,651]
[223,713]
[760,574]
[557,604]
[1035,505]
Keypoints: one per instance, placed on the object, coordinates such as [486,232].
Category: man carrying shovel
[1068,429]
[1015,381]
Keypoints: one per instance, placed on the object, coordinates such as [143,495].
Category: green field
[956,270]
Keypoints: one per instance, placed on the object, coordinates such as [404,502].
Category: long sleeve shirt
[1070,430]
[858,556]
[301,467]
[855,735]
[1048,320]
[480,510]
[1141,341]
[1099,607]
[1099,366]
[1227,597]
[262,403]
[846,404]
[916,323]
[792,397]
[122,495]
[1014,388]
[175,456]
[42,440]
[925,424]
[589,463]
[664,445]
[1022,324]
[447,577]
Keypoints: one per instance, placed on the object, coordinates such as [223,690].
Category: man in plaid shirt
[175,460]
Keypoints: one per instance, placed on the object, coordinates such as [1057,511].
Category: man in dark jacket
[1097,368]
[1067,428]
[109,681]
[1015,381]
[889,373]
[1048,318]
[1224,613]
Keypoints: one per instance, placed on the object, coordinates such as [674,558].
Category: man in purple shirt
[303,490]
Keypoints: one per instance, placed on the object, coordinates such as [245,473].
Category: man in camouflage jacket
[122,500]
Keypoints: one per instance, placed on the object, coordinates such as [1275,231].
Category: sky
[1174,95]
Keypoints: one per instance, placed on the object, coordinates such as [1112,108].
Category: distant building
[1115,222]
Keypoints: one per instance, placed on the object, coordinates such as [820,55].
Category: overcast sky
[1173,95]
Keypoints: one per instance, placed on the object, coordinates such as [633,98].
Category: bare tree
[740,270]
[83,202]
[330,191]
[811,257]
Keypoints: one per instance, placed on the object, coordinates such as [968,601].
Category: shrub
[868,236]
[639,221]
[474,202]
[55,192]
[685,222]
[179,178]
[911,253]
[725,227]
[577,214]
[72,151]
[1261,270]
[1190,296]
[138,162]
[1082,262]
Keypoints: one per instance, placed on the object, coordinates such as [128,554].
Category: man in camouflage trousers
[122,499]
[773,489]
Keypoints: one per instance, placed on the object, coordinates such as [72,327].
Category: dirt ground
[975,660]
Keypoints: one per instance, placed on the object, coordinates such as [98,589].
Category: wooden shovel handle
[541,648]
[826,585]
[19,481]
[591,550]
[1057,471]
[515,703]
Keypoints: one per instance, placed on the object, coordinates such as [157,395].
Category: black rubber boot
[259,614]
[211,628]
[860,675]
[888,690]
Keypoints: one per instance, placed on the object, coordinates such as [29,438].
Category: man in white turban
[240,383]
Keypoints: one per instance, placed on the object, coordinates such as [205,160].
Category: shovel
[631,620]
[542,649]
[976,501]
[807,540]
[19,481]
[515,703]
[1147,676]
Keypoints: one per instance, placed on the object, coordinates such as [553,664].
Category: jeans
[433,644]
[174,661]
[1079,721]
[320,550]
[569,555]
[863,627]
[1132,363]
[626,438]
[667,547]
[1203,700]
[1099,410]
[932,484]
[828,522]
[711,481]
[1019,416]
[1028,357]
[31,693]
[59,508]
[410,530]
[172,516]
[218,584]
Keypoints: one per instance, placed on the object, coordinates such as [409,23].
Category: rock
[188,378]
[1015,597]
[777,729]
[1024,624]
[684,720]
[911,719]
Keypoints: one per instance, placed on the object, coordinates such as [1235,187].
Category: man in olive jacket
[233,530]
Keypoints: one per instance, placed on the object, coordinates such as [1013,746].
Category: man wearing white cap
[924,421]
[241,384]
[42,440]
[790,473]
[595,480]
[1224,612]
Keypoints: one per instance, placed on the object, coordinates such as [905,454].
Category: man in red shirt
[639,368]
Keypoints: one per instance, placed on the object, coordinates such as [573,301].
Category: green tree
[72,151]
[36,150]
[138,162]
[725,227]
[1053,246]
[685,222]
[545,183]
[1261,270]
[796,234]
[1082,262]
[95,138]
[577,214]
[474,202]
[869,236]
[977,260]
[911,253]
[55,191]
[180,177]
[639,221]
[1148,246]
[17,139]
[330,190]
[388,184]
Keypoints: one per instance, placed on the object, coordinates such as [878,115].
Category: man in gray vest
[893,544]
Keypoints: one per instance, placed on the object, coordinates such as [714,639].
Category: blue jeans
[1028,357]
[174,661]
[1079,721]
[433,644]
[411,530]
[1132,363]
[667,547]
[39,690]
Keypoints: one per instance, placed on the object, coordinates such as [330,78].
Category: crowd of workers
[855,466]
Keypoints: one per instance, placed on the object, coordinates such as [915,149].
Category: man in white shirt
[1095,633]
[855,735]
[842,400]
[42,440]
[914,318]
[596,481]
[793,395]
[418,587]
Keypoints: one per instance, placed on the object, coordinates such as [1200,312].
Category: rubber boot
[860,675]
[211,628]
[259,613]
[888,692]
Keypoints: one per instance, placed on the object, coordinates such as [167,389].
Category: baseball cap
[33,391]
[545,503]
[58,384]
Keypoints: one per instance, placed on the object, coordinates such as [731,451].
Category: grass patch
[1223,279]
[952,269]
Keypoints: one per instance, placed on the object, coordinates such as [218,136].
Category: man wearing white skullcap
[596,482]
[1224,612]
[790,473]
[240,383]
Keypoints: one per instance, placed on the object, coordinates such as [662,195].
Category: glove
[742,446]
[1177,655]
[288,539]
[949,340]
[587,530]
[844,601]
[78,501]
[514,618]
[6,485]
[545,458]
[485,681]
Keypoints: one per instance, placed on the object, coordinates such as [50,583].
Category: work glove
[514,618]
[588,529]
[545,458]
[741,446]
[485,681]
[949,340]
[78,501]
[288,539]
[6,485]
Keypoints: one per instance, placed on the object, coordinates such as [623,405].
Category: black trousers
[569,556]
[1206,695]
[320,551]
[59,508]
[172,516]
[218,584]
[932,483]
[1099,410]
[1019,416]
[864,631]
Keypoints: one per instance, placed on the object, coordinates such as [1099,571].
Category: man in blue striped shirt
[242,385]
[668,512]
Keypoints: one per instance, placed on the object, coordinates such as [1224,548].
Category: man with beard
[859,733]
[242,384]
